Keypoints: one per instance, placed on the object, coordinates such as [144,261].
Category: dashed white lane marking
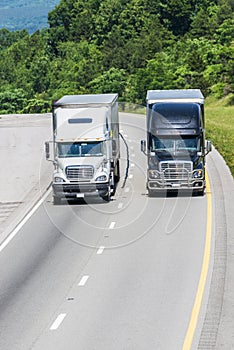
[125,135]
[58,322]
[120,206]
[112,225]
[130,176]
[100,250]
[83,281]
[133,155]
[132,165]
[127,189]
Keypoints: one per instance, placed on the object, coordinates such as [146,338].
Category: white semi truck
[86,148]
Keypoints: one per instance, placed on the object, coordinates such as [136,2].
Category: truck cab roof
[188,95]
[74,101]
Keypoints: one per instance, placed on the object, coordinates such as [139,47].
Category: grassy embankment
[220,130]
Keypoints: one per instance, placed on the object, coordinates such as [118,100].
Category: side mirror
[108,135]
[47,150]
[143,146]
[208,146]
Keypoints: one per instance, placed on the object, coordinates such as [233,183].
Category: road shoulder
[217,332]
[25,175]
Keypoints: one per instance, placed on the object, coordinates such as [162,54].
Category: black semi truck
[175,147]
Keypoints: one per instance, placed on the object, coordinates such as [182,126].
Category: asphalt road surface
[135,273]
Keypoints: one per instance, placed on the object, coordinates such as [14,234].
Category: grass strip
[220,130]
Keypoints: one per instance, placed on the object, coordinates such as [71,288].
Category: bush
[12,101]
[37,106]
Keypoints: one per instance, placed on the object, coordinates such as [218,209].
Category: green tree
[7,38]
[176,15]
[12,101]
[75,66]
[111,81]
[205,23]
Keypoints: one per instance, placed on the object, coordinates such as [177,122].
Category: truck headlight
[58,179]
[101,178]
[153,174]
[197,174]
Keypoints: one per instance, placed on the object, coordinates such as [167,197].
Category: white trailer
[86,148]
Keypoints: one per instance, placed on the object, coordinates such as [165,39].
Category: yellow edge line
[205,266]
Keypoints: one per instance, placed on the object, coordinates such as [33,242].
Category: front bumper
[64,190]
[160,185]
[176,176]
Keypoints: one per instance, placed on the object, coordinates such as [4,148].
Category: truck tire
[57,200]
[117,172]
[200,193]
[151,193]
[113,184]
[107,197]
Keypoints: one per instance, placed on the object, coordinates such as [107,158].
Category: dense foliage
[94,46]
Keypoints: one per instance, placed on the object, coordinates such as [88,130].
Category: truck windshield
[166,144]
[80,149]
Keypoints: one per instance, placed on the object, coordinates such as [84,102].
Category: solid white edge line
[83,281]
[120,206]
[58,322]
[25,219]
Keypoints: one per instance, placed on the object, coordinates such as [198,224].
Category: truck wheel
[150,193]
[107,196]
[117,172]
[113,184]
[57,200]
[200,193]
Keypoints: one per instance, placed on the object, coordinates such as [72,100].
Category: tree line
[120,46]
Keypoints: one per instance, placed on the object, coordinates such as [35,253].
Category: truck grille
[79,172]
[176,170]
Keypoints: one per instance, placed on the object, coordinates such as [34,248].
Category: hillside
[23,14]
[120,46]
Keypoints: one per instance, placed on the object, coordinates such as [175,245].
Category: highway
[134,273]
